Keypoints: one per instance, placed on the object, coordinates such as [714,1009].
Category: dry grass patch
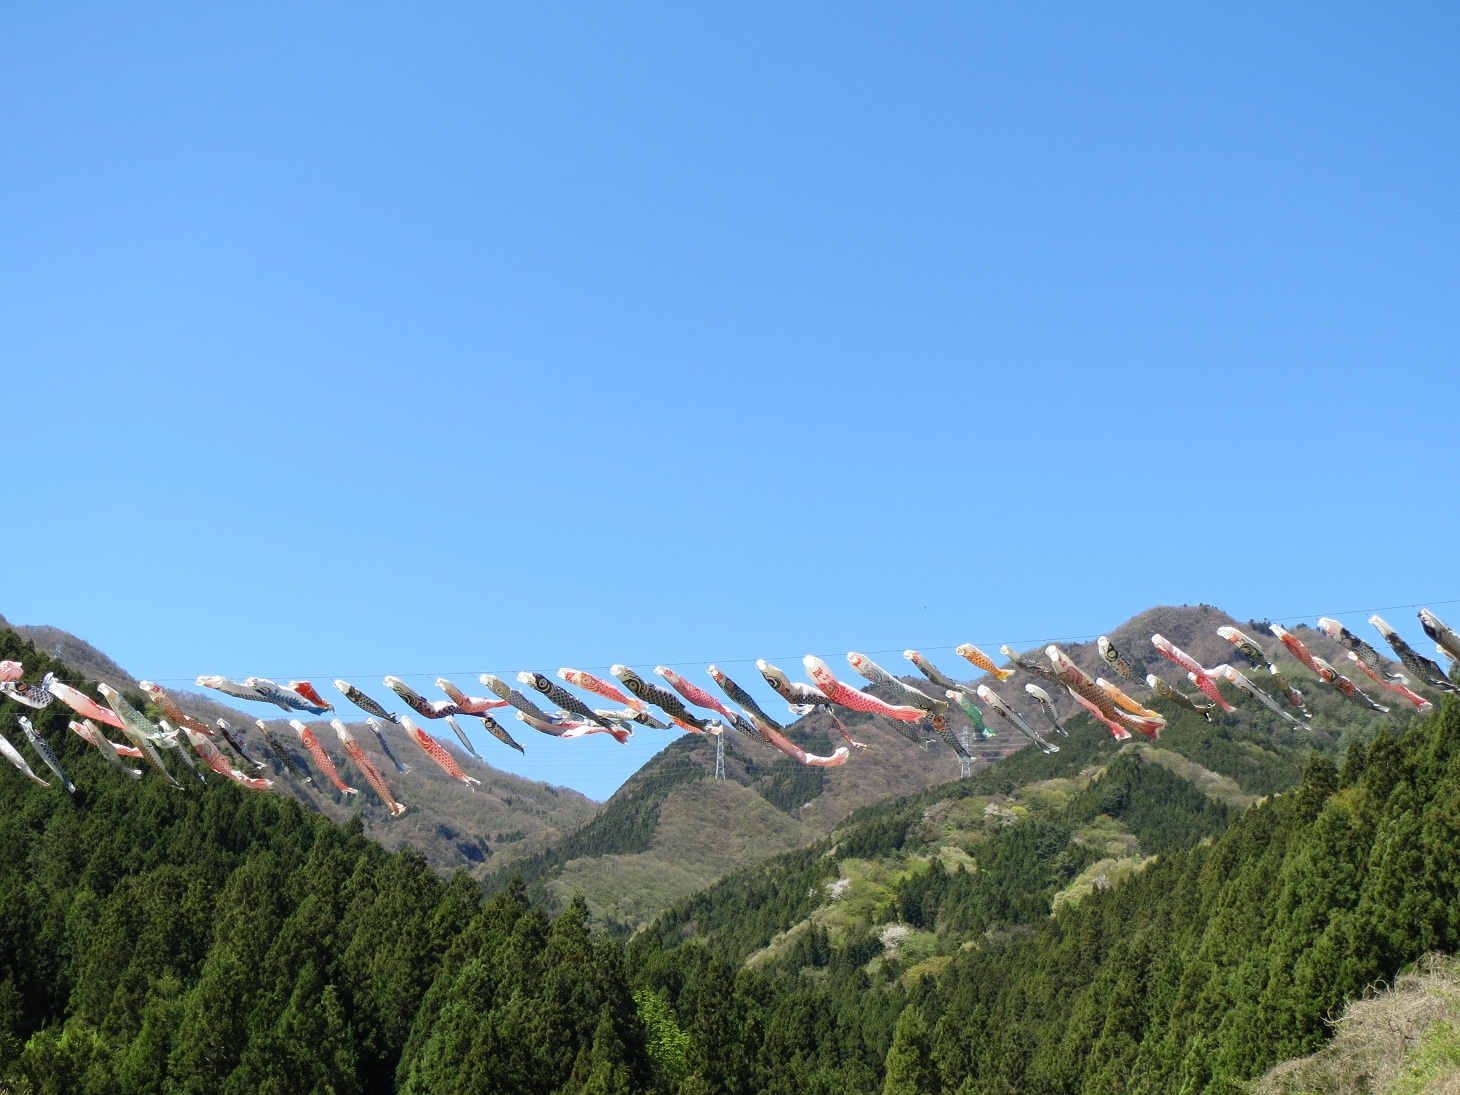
[1403,1041]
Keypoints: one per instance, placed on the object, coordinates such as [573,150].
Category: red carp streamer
[367,768]
[1199,676]
[321,758]
[1424,705]
[433,749]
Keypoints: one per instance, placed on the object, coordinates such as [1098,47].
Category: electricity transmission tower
[720,755]
[965,762]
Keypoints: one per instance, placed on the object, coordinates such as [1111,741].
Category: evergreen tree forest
[212,939]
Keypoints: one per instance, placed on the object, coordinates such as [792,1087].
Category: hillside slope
[1401,1040]
[1082,922]
[646,849]
[504,819]
[671,829]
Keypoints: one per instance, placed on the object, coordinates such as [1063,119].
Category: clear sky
[342,340]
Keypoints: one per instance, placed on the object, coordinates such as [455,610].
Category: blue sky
[345,340]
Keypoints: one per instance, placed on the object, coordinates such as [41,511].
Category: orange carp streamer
[1125,701]
[973,654]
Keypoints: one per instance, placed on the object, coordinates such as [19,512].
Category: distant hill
[454,828]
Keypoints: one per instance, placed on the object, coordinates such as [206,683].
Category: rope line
[1016,643]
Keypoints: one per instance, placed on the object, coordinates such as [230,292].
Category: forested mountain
[505,819]
[1169,916]
[1199,969]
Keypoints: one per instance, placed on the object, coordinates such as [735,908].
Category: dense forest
[1198,972]
[211,939]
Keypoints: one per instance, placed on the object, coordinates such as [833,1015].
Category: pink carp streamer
[1209,687]
[121,750]
[850,698]
[88,733]
[1117,731]
[172,712]
[693,692]
[94,735]
[973,654]
[433,749]
[367,768]
[1424,705]
[589,683]
[845,696]
[1199,676]
[795,752]
[11,671]
[85,706]
[1298,650]
[1119,696]
[321,758]
[219,763]
[470,705]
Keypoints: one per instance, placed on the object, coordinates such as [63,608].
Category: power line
[1015,643]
